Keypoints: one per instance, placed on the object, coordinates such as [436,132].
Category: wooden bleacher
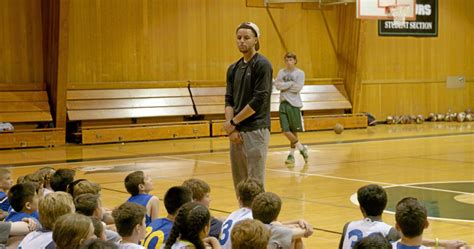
[26,106]
[324,104]
[119,115]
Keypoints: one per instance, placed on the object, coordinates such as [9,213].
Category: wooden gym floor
[432,161]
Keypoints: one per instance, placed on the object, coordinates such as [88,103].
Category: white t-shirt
[357,230]
[129,246]
[180,244]
[38,240]
[241,214]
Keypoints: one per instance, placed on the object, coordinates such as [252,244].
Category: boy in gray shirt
[290,81]
[284,235]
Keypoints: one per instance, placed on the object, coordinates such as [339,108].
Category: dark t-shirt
[250,84]
[216,226]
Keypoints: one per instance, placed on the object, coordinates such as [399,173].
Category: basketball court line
[407,185]
[445,160]
[218,151]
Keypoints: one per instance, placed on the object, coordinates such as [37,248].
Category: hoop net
[399,13]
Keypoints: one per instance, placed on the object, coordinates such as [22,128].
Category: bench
[118,115]
[322,99]
[26,106]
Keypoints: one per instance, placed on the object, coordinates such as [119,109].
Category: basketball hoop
[399,13]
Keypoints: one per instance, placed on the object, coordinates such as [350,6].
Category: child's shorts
[290,118]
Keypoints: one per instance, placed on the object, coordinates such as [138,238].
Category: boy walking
[290,81]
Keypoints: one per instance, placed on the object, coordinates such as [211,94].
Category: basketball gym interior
[107,87]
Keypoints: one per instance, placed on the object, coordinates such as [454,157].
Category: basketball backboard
[379,9]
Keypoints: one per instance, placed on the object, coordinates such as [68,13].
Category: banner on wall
[426,23]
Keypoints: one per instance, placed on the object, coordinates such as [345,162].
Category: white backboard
[376,9]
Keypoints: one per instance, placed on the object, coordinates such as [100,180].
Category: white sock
[299,146]
[292,151]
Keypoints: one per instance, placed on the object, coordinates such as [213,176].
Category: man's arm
[262,90]
[243,114]
[229,99]
[297,85]
[229,102]
[229,113]
[154,207]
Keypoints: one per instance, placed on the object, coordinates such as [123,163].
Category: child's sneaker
[290,159]
[304,153]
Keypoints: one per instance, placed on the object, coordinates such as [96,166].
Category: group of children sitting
[50,209]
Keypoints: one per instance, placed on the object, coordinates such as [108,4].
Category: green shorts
[290,118]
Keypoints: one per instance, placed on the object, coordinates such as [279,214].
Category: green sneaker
[304,153]
[290,159]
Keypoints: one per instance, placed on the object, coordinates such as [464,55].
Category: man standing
[247,107]
[290,81]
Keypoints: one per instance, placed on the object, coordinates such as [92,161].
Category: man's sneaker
[304,153]
[290,159]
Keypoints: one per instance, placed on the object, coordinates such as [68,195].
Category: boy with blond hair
[51,208]
[201,194]
[46,173]
[266,208]
[139,185]
[250,234]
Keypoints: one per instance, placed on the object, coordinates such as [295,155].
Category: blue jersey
[18,216]
[157,233]
[142,199]
[4,203]
[399,245]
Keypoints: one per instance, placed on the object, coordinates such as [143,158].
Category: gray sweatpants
[248,159]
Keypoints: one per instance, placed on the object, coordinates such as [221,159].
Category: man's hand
[235,137]
[228,127]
